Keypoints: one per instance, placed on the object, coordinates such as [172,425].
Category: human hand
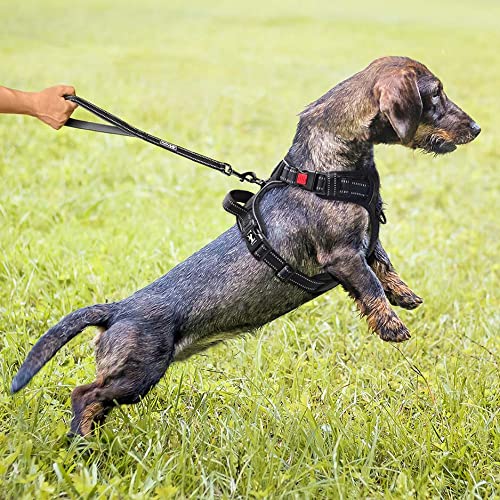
[50,106]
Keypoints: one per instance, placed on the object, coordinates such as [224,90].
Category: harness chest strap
[243,204]
[361,188]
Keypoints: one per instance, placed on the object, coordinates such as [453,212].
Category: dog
[222,291]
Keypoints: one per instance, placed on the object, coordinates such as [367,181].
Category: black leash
[361,188]
[121,127]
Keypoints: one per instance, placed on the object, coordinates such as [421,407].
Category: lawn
[313,405]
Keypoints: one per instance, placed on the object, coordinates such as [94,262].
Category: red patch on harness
[301,179]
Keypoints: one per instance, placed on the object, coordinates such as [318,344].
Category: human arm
[47,105]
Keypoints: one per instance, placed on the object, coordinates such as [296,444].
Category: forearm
[47,105]
[17,102]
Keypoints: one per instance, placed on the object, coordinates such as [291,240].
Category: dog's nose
[476,129]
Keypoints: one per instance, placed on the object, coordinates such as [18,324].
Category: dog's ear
[400,101]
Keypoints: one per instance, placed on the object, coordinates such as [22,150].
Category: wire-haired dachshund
[222,291]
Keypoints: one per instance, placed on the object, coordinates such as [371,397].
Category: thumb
[66,90]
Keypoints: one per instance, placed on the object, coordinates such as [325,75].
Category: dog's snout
[476,129]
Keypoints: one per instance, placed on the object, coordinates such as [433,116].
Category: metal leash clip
[250,177]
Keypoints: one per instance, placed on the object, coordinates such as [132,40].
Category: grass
[313,406]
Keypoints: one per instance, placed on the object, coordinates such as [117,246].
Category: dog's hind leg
[396,290]
[130,360]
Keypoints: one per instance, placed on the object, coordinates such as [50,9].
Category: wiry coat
[222,290]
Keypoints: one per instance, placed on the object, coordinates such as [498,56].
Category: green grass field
[313,405]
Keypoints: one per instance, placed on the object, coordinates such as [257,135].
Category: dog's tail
[57,336]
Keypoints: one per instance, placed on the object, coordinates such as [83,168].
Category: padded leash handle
[96,127]
[121,127]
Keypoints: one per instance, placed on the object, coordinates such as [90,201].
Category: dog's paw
[393,330]
[405,298]
[398,292]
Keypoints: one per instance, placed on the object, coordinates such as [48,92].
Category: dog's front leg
[396,290]
[356,276]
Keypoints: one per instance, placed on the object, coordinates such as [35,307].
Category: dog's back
[222,290]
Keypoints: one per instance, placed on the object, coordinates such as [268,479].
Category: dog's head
[414,110]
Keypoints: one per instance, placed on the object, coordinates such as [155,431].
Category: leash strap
[120,127]
[361,188]
[95,127]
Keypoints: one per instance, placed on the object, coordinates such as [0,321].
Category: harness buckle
[285,272]
[261,251]
[301,178]
[306,179]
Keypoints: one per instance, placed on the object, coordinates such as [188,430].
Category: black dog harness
[360,187]
[357,187]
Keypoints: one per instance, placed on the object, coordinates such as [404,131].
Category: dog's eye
[435,100]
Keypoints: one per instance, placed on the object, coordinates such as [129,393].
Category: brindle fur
[222,290]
